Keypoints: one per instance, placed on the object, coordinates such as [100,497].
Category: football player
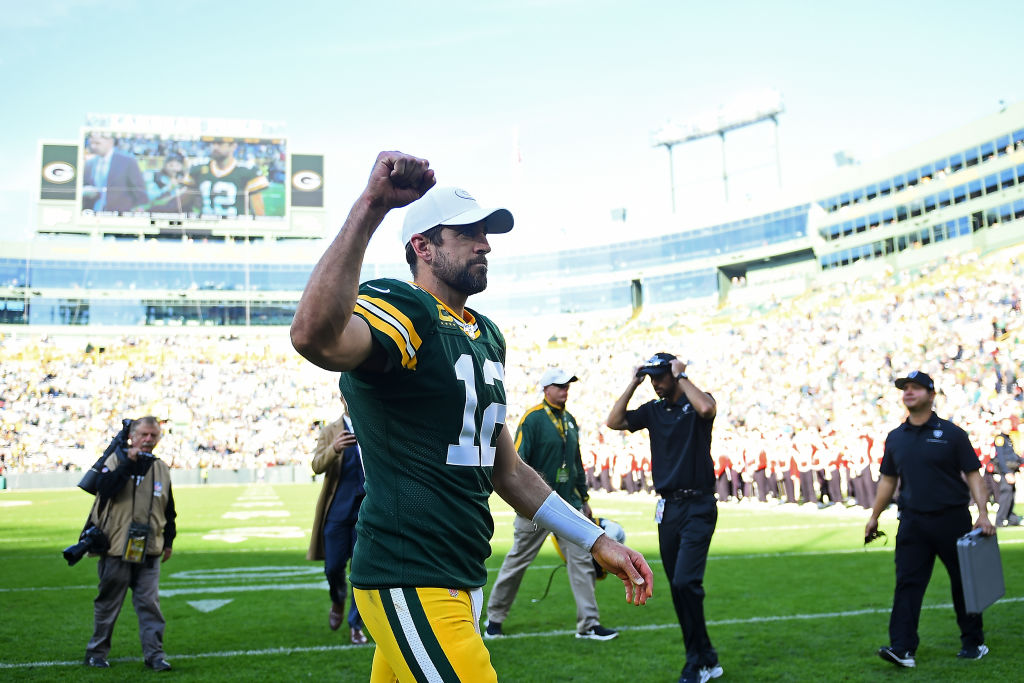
[424,377]
[223,187]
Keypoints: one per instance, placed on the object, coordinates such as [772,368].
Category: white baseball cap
[451,206]
[556,376]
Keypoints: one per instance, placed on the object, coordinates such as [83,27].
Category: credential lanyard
[561,427]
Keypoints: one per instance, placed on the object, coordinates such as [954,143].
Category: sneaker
[973,652]
[905,659]
[159,664]
[598,632]
[98,662]
[493,630]
[709,672]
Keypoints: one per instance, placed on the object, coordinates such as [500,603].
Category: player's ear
[422,247]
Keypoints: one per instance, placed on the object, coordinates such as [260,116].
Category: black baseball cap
[658,364]
[917,377]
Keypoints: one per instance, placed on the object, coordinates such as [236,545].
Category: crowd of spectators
[803,385]
[227,402]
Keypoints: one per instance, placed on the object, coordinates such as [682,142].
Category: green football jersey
[226,193]
[427,429]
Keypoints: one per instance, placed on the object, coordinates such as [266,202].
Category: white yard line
[511,636]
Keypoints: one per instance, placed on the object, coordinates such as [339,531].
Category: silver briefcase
[981,570]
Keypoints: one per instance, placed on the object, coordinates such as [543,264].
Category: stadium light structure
[744,111]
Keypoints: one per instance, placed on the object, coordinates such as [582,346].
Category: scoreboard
[152,176]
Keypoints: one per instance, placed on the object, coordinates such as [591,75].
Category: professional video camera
[119,444]
[92,540]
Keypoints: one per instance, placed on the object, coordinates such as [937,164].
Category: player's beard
[463,279]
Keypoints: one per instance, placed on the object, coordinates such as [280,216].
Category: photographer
[134,509]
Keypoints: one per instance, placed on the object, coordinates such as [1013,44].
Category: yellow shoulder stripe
[386,318]
[519,432]
[256,184]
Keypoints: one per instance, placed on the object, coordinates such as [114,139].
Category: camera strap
[135,489]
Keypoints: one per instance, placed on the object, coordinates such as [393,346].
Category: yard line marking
[491,570]
[208,605]
[509,636]
[200,590]
[255,514]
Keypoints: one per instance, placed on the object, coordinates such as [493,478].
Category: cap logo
[912,374]
[459,192]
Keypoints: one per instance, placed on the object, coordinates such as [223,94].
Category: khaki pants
[525,546]
[116,576]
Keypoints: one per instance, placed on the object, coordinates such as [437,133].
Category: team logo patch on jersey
[158,488]
[472,330]
[937,433]
[452,592]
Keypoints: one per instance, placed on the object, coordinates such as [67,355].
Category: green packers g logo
[59,172]
[307,181]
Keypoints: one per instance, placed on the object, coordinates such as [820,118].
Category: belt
[932,513]
[683,494]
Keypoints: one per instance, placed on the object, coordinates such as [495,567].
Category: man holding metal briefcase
[131,525]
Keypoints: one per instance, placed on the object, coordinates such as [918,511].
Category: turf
[791,595]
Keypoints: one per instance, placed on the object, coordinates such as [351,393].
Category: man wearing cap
[679,425]
[929,458]
[424,379]
[548,440]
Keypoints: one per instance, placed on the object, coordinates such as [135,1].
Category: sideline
[511,636]
[240,585]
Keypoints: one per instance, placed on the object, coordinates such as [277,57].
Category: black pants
[1006,495]
[684,536]
[807,494]
[788,487]
[761,485]
[919,540]
[339,542]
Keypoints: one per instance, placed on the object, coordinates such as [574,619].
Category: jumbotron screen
[205,177]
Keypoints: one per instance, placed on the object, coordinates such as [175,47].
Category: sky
[546,107]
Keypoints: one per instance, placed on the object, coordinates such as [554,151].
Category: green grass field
[792,596]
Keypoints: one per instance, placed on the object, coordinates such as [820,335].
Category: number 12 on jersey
[466,452]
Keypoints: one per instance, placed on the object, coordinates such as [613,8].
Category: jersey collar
[467,321]
[221,172]
[932,423]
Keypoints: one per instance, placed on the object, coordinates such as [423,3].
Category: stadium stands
[807,381]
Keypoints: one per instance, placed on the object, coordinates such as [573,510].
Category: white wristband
[565,521]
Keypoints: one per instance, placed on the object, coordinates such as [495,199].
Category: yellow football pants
[426,635]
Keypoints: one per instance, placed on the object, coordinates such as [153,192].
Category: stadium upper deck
[960,191]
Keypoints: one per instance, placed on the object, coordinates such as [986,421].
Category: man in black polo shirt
[679,425]
[928,456]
